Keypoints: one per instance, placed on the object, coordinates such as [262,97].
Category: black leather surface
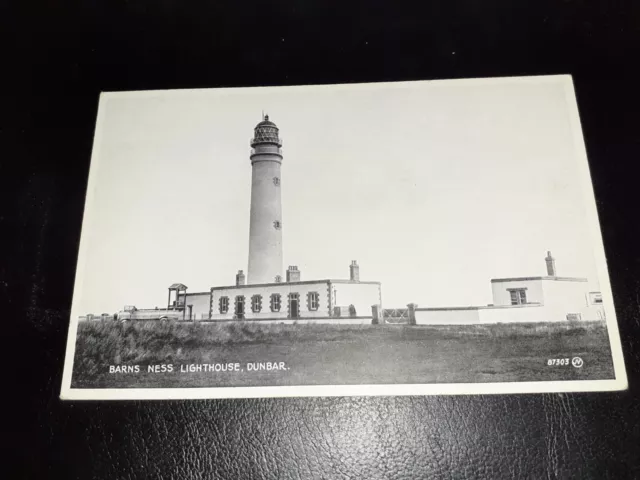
[56,58]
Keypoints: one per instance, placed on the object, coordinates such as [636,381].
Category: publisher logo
[577,362]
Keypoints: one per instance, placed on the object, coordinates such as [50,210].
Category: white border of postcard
[617,384]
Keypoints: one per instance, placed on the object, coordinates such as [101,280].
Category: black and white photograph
[403,238]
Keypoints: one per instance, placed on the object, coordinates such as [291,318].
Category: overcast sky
[434,187]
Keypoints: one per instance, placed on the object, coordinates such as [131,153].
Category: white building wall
[322,288]
[447,317]
[514,314]
[564,297]
[592,313]
[508,314]
[361,295]
[200,302]
[501,295]
[478,315]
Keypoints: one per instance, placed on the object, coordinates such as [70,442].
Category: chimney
[551,265]
[354,271]
[240,278]
[293,274]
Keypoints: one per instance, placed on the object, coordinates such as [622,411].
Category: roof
[178,286]
[281,284]
[266,123]
[523,279]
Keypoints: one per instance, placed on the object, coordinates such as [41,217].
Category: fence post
[375,314]
[412,313]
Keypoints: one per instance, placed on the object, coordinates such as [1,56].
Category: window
[276,181]
[277,225]
[313,300]
[596,298]
[518,296]
[223,304]
[276,302]
[256,303]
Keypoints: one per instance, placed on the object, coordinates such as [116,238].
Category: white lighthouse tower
[265,230]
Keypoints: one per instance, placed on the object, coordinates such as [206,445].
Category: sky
[433,187]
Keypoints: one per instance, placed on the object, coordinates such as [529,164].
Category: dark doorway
[239,311]
[294,305]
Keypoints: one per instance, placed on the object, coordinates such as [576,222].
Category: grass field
[336,354]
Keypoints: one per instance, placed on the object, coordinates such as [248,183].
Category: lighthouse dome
[266,122]
[266,132]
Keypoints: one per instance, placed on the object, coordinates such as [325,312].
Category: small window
[313,300]
[276,302]
[256,303]
[522,296]
[223,305]
[596,298]
[276,181]
[277,225]
[518,296]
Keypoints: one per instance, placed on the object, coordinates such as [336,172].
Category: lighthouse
[265,229]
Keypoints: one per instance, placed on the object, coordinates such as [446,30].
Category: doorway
[294,305]
[239,310]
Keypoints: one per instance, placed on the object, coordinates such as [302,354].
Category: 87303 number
[558,362]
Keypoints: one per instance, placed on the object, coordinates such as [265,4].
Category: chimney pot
[551,265]
[293,274]
[354,271]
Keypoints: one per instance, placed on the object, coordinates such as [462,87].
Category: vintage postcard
[410,238]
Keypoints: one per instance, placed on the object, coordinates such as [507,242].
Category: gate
[397,316]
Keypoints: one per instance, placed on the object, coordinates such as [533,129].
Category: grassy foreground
[334,354]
